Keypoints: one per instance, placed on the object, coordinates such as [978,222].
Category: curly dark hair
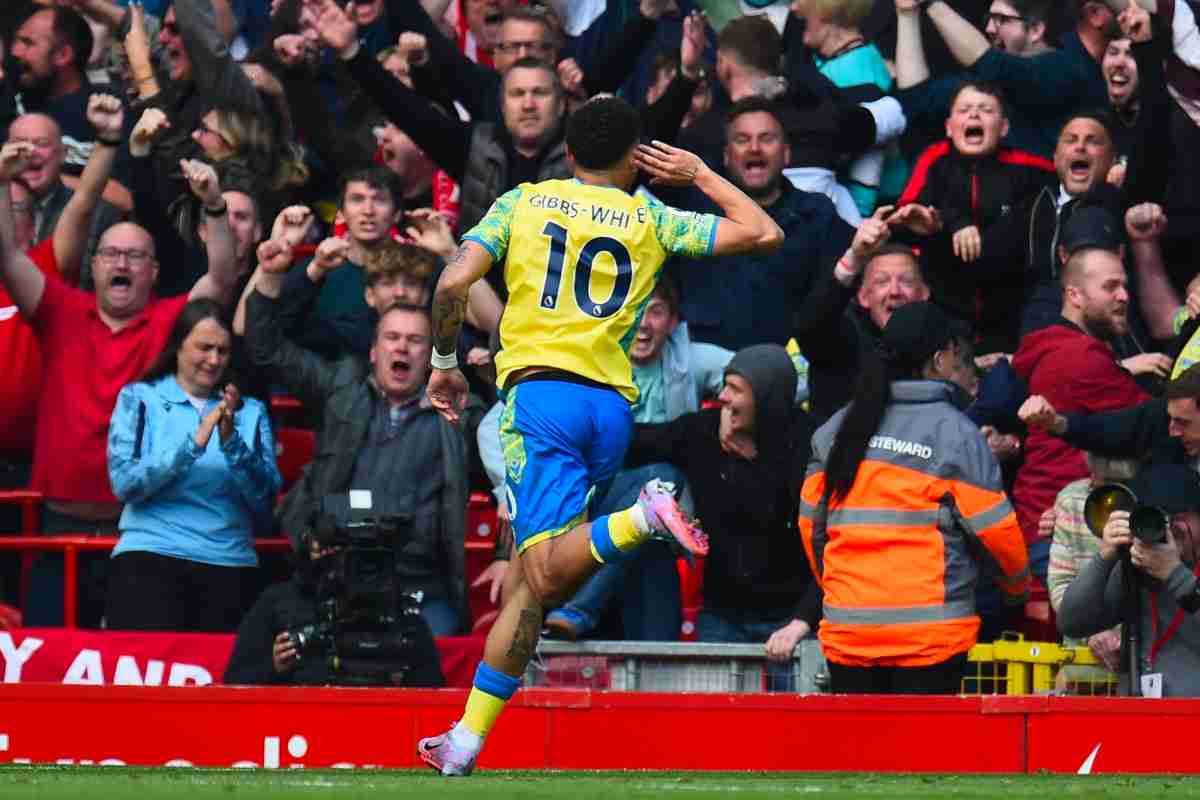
[602,131]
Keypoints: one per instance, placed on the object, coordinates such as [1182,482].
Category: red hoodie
[1075,372]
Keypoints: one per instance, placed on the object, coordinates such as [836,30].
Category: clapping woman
[194,464]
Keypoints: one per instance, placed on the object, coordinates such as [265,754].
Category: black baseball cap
[917,330]
[1091,227]
[1174,488]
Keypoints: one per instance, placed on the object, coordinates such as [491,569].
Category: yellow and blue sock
[489,692]
[616,535]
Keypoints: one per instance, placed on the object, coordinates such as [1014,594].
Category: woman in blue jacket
[194,464]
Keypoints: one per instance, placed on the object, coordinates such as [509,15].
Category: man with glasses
[92,345]
[1044,86]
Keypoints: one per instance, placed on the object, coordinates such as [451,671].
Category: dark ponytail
[872,395]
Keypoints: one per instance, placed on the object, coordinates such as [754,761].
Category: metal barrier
[1011,666]
[675,667]
[1015,666]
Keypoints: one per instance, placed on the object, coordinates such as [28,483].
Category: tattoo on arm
[525,638]
[449,310]
[448,315]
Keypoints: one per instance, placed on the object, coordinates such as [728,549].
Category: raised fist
[107,116]
[202,180]
[141,140]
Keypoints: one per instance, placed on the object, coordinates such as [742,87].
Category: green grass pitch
[117,783]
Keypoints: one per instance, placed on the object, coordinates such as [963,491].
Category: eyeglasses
[1000,19]
[112,255]
[203,128]
[516,47]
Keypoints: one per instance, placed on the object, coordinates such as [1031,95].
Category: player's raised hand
[668,165]
[448,392]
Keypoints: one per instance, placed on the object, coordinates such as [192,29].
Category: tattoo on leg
[525,638]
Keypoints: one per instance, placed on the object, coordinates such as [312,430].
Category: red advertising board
[77,697]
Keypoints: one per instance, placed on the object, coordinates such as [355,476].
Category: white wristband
[440,361]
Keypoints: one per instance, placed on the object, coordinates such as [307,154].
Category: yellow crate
[1014,666]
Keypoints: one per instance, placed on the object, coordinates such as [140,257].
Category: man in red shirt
[92,345]
[1072,365]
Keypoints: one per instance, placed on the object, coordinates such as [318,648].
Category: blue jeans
[647,581]
[738,626]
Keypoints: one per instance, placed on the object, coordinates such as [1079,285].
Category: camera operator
[269,651]
[1167,630]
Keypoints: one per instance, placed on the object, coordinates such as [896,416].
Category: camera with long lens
[1147,523]
[365,621]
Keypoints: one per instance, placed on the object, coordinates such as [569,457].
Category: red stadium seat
[294,448]
[288,412]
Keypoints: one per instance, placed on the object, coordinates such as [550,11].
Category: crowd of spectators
[205,203]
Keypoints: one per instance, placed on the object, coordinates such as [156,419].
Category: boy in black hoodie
[745,465]
[959,190]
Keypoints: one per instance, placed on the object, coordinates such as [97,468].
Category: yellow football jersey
[580,262]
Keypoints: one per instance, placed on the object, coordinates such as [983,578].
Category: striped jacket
[897,556]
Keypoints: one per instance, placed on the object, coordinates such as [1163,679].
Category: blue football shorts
[563,443]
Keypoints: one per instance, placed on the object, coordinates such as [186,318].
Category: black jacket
[833,331]
[291,605]
[737,301]
[1134,432]
[982,192]
[747,508]
[346,400]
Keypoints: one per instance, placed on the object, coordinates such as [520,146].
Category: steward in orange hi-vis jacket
[897,553]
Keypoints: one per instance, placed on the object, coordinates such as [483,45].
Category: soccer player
[581,258]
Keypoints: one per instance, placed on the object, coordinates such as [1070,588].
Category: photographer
[1166,631]
[268,651]
[379,434]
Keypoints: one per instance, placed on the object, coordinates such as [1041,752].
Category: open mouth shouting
[974,135]
[401,370]
[755,170]
[1080,169]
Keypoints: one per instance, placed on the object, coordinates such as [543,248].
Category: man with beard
[1043,85]
[752,298]
[51,49]
[1071,364]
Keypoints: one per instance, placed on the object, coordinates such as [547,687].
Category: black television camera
[366,624]
[1147,523]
